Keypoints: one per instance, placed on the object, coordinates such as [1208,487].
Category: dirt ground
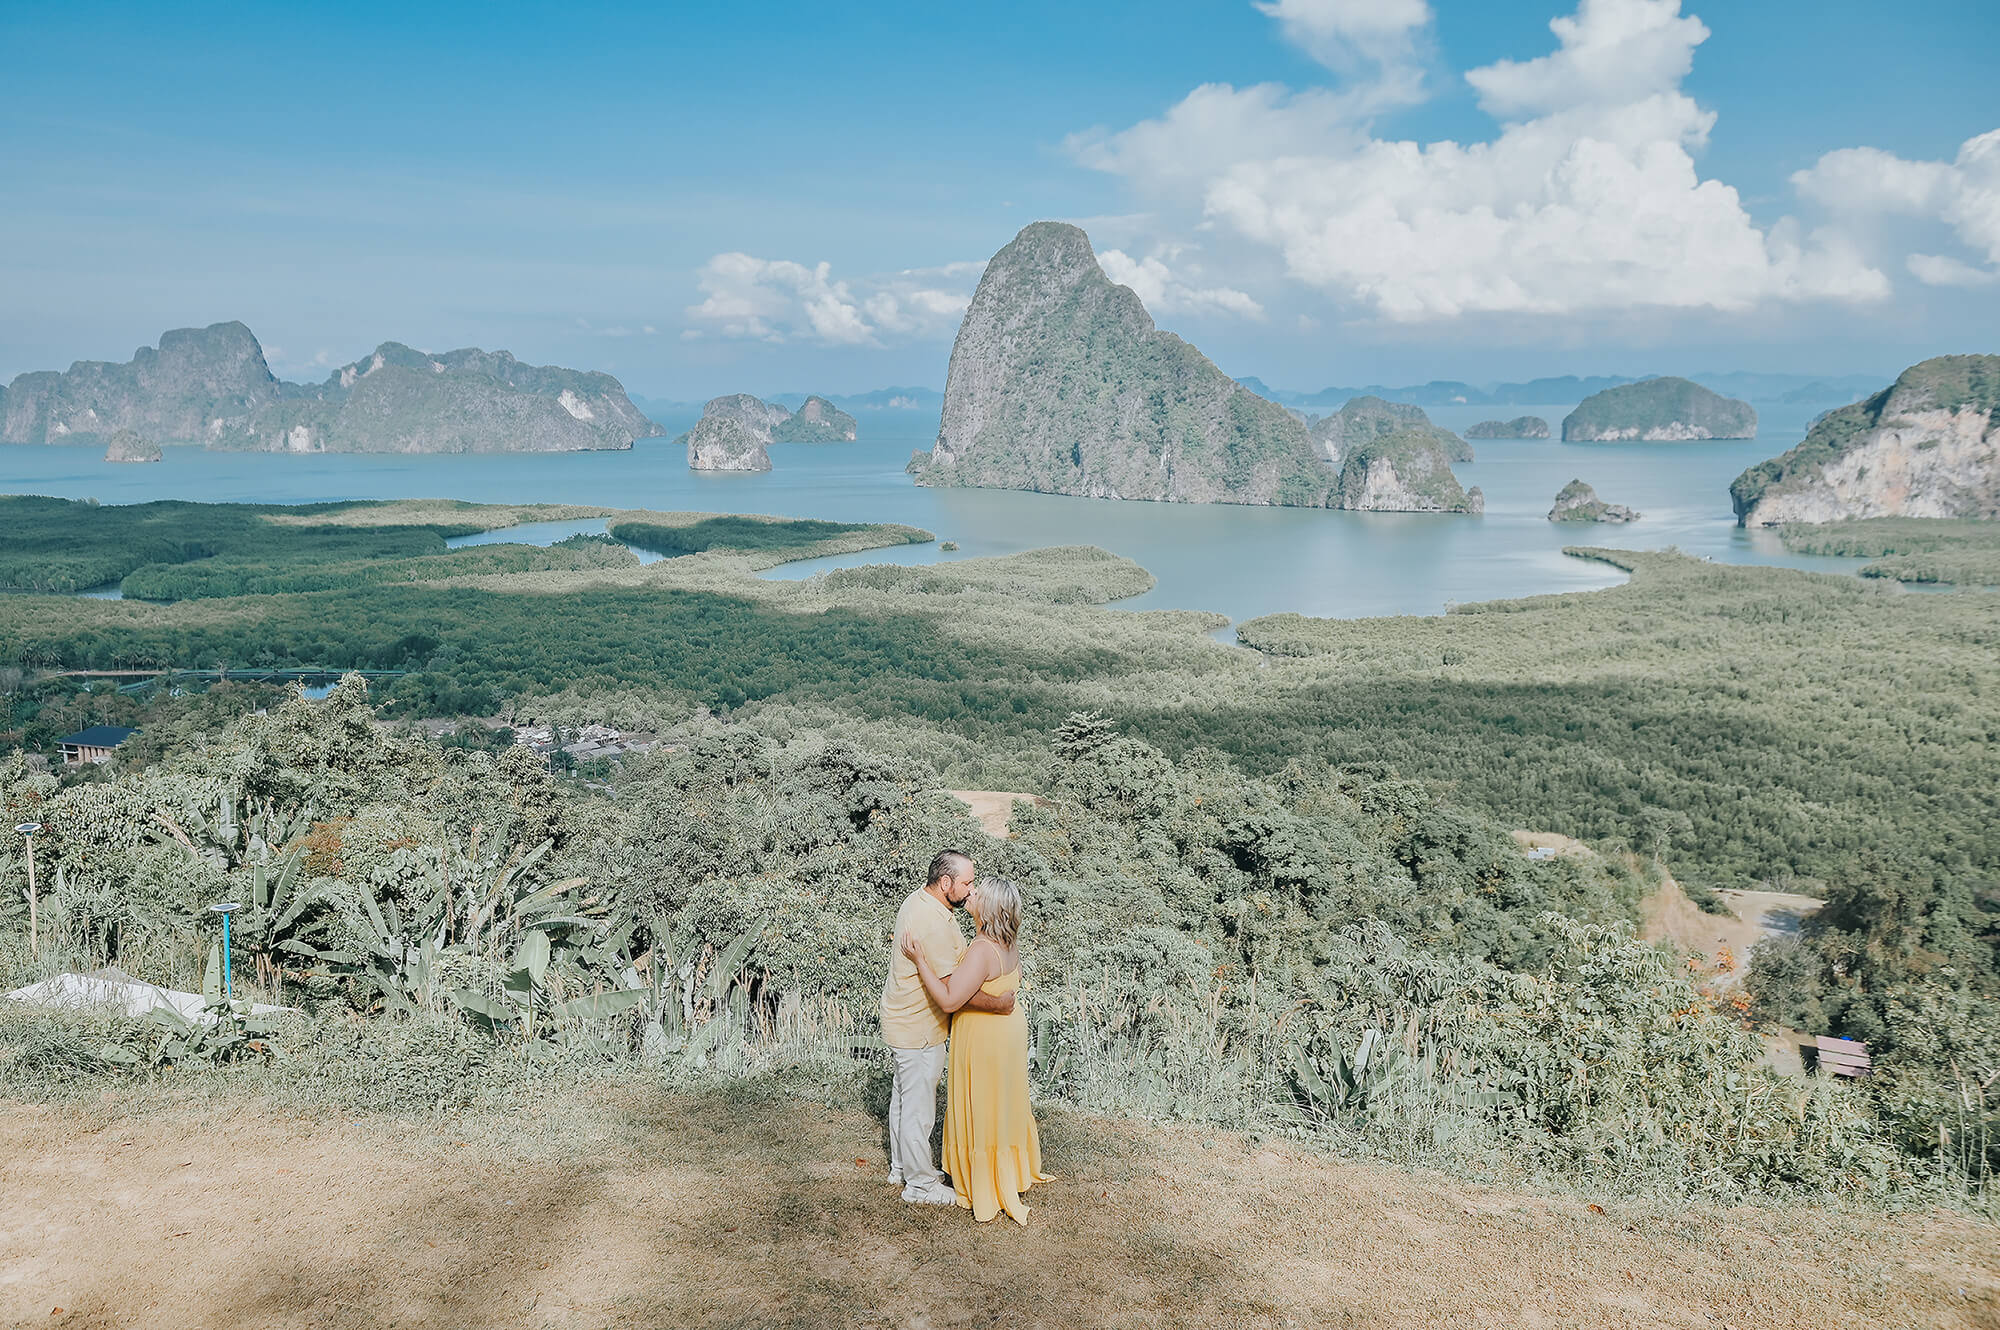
[739,1209]
[993,808]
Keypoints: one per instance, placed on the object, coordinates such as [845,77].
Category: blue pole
[225,955]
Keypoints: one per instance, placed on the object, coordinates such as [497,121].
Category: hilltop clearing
[646,1208]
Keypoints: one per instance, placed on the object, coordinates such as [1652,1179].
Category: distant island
[1059,383]
[1926,446]
[1578,502]
[1665,410]
[211,386]
[816,421]
[127,446]
[1393,459]
[735,432]
[1789,389]
[1520,427]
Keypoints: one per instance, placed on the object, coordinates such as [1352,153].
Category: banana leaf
[477,1004]
[598,1006]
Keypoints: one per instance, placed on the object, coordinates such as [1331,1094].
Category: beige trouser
[913,1112]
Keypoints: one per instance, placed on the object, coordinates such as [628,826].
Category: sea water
[1236,560]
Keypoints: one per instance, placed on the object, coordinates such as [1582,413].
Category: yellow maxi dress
[991,1147]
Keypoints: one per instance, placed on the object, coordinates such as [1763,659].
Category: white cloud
[1611,53]
[1940,270]
[1163,291]
[1586,200]
[1962,194]
[1212,128]
[1378,44]
[1871,180]
[777,300]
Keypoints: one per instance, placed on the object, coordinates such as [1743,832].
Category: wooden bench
[1842,1057]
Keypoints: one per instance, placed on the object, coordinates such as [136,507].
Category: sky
[800,197]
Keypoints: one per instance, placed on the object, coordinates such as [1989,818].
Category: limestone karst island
[211,386]
[1263,664]
[1060,383]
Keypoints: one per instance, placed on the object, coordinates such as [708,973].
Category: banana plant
[525,992]
[226,1031]
[238,833]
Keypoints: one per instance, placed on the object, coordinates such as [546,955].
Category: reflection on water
[1241,561]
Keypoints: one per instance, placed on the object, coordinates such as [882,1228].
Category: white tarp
[112,987]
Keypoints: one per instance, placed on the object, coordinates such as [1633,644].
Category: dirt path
[729,1210]
[993,808]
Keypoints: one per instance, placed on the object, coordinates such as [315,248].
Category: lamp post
[225,908]
[26,831]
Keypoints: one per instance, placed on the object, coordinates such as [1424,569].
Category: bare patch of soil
[734,1209]
[994,808]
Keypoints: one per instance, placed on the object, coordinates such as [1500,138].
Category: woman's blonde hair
[997,902]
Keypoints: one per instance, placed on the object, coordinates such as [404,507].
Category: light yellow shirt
[909,1018]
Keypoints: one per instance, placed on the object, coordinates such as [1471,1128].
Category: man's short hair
[948,863]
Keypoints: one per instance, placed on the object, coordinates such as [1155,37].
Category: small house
[94,744]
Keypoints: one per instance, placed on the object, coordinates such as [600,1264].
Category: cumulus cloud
[1962,194]
[1211,129]
[777,300]
[1587,199]
[1611,53]
[1379,44]
[1163,291]
[1942,270]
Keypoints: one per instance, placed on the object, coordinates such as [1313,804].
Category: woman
[991,1147]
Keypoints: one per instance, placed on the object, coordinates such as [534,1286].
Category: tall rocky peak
[1928,445]
[1060,383]
[211,385]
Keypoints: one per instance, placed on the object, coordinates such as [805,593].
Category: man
[914,1028]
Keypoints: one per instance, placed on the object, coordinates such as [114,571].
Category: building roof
[100,736]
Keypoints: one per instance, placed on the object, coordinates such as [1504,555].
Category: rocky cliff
[1578,502]
[1060,383]
[725,442]
[1665,410]
[127,446]
[1520,427]
[756,414]
[732,433]
[1407,471]
[816,421]
[1926,446]
[211,386]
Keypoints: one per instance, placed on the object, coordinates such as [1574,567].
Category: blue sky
[652,190]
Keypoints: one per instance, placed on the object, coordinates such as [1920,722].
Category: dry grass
[443,512]
[746,1207]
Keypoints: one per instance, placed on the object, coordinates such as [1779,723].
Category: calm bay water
[1240,561]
